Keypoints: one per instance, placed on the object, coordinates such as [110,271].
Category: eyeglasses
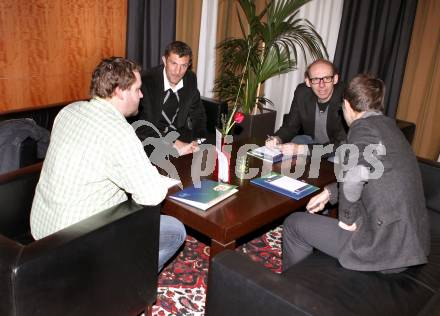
[326,79]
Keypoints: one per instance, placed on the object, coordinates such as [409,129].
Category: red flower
[238,117]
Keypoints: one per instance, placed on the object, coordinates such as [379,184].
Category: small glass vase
[223,147]
[241,166]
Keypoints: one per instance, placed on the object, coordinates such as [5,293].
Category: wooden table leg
[217,246]
[149,310]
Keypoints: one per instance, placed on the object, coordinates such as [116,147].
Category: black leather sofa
[214,109]
[104,265]
[320,286]
[45,117]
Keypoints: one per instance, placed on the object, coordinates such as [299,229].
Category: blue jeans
[172,235]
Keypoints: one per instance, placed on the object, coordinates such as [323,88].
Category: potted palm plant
[268,47]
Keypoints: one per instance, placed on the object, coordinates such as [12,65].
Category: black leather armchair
[104,265]
[320,286]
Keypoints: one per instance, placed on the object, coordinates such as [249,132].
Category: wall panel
[48,48]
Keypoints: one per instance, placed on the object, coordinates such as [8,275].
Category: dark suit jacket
[191,119]
[390,215]
[302,116]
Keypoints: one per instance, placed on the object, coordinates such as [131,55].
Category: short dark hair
[179,48]
[320,61]
[111,73]
[365,92]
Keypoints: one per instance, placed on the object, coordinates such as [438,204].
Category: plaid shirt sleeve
[131,170]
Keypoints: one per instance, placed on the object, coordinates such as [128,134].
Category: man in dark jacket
[171,101]
[383,222]
[314,113]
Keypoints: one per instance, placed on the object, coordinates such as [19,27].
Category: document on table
[288,183]
[285,185]
[269,154]
[207,195]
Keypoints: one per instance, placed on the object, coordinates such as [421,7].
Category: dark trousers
[303,231]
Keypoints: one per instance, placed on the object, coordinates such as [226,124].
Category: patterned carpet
[182,284]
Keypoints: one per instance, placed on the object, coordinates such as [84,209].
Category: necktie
[169,110]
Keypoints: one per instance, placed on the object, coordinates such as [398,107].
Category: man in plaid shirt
[95,158]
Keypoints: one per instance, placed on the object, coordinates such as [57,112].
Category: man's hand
[186,148]
[318,202]
[273,142]
[291,149]
[351,227]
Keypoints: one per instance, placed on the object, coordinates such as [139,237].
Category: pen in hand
[200,141]
[272,142]
[269,138]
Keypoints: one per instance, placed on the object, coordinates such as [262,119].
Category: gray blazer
[390,213]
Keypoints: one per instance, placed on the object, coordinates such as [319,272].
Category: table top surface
[251,207]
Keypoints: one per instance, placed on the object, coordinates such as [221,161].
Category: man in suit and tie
[172,102]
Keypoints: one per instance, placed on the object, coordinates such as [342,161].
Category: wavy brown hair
[111,73]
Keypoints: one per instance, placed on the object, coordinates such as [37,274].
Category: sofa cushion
[319,285]
[322,286]
[16,194]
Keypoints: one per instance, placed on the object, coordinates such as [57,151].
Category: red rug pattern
[182,284]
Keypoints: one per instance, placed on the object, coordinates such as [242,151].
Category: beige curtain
[228,24]
[188,17]
[420,95]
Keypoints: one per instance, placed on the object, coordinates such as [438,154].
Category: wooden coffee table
[246,211]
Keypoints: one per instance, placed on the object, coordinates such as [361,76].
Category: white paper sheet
[287,183]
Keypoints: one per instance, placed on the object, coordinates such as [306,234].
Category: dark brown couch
[104,265]
[319,285]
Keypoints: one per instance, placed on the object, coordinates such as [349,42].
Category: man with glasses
[315,116]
